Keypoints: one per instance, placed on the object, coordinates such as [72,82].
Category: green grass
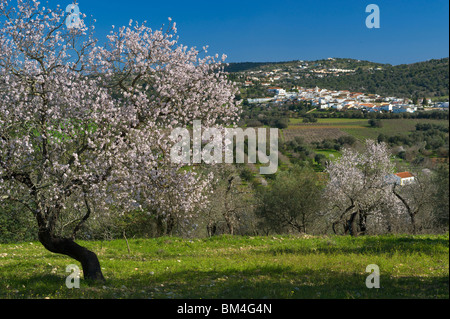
[390,127]
[329,128]
[343,120]
[238,267]
[330,154]
[338,121]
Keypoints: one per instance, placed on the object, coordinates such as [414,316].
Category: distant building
[273,89]
[386,107]
[404,109]
[403,178]
[261,100]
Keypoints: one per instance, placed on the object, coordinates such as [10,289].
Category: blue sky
[284,30]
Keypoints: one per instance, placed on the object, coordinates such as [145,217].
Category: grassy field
[311,134]
[298,121]
[390,127]
[359,128]
[330,154]
[279,267]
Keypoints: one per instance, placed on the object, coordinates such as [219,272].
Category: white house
[403,178]
[375,109]
[274,89]
[387,107]
[323,101]
[404,109]
[337,106]
[348,102]
[261,100]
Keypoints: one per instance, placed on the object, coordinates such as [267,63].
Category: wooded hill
[429,78]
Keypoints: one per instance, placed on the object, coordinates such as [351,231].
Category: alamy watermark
[73,20]
[373,19]
[216,146]
[373,280]
[73,280]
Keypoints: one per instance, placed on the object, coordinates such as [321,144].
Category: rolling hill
[428,78]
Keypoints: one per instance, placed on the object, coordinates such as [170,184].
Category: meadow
[332,128]
[273,267]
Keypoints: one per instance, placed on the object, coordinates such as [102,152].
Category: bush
[246,174]
[309,119]
[280,123]
[254,123]
[346,140]
[375,123]
[320,159]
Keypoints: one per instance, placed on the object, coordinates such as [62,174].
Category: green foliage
[246,174]
[432,135]
[291,200]
[429,78]
[16,224]
[309,119]
[441,198]
[280,123]
[375,123]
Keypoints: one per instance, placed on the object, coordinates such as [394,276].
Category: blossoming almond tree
[82,123]
[359,183]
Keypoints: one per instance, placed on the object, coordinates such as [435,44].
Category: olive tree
[291,201]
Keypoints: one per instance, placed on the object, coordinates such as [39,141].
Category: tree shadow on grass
[263,282]
[276,282]
[39,284]
[33,286]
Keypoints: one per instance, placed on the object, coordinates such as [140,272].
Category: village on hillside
[279,85]
[343,100]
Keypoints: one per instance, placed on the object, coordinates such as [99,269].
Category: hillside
[429,78]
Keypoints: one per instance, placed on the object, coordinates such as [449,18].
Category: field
[311,133]
[330,154]
[390,127]
[280,267]
[359,128]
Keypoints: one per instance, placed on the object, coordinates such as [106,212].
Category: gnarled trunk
[68,247]
[352,226]
[362,223]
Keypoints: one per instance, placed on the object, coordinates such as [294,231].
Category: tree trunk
[362,223]
[230,226]
[352,228]
[411,212]
[413,222]
[340,223]
[170,225]
[212,229]
[66,246]
[160,228]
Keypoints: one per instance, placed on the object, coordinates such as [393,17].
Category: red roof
[404,175]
